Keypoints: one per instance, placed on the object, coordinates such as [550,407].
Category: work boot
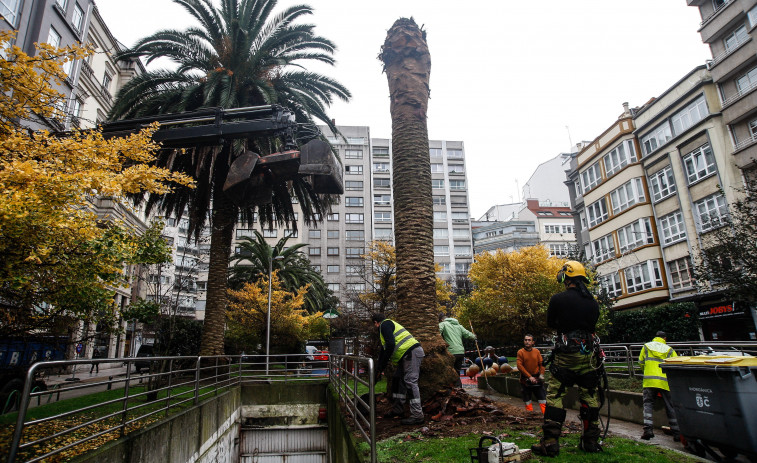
[648,434]
[549,445]
[589,441]
[543,407]
[529,407]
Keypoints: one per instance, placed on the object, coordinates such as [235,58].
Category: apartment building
[728,27]
[615,216]
[508,235]
[648,190]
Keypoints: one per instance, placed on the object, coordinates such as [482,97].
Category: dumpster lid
[714,360]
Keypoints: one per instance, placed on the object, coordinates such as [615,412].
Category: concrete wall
[626,406]
[206,433]
[343,446]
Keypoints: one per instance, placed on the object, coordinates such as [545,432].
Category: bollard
[110,382]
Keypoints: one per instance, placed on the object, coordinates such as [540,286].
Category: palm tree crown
[241,54]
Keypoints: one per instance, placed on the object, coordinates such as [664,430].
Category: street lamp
[268,318]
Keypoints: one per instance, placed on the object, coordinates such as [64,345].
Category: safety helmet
[572,269]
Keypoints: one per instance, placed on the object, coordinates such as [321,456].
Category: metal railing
[130,400]
[347,375]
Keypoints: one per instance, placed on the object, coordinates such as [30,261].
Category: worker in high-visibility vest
[401,348]
[656,383]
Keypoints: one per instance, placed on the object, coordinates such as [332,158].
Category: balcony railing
[729,51]
[720,8]
[739,94]
[743,144]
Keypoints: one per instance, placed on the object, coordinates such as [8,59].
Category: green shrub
[680,321]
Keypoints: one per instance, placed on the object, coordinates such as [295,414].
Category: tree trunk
[222,233]
[407,64]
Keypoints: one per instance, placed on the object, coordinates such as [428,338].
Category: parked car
[145,350]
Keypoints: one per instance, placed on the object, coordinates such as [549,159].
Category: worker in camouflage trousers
[656,383]
[573,313]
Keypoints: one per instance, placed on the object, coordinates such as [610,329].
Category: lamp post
[268,318]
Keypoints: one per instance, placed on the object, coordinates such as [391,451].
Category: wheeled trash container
[715,400]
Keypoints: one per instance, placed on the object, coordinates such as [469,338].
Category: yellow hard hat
[572,269]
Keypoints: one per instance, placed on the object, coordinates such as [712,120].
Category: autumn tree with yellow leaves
[511,293]
[291,324]
[58,261]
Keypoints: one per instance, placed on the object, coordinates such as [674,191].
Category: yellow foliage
[248,309]
[511,292]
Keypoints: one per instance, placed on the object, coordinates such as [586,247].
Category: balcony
[726,62]
[718,20]
[745,152]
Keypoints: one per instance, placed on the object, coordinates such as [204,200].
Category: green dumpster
[715,400]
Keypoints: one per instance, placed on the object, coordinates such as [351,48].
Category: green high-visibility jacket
[403,341]
[651,357]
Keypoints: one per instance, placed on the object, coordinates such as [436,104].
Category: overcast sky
[517,82]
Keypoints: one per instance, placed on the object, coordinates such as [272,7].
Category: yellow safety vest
[651,357]
[403,341]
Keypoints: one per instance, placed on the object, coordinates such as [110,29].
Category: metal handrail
[345,377]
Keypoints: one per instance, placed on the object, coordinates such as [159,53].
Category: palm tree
[407,64]
[240,55]
[294,269]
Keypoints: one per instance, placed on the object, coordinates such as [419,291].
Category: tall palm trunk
[407,64]
[221,236]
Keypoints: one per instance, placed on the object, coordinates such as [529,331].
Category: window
[681,273]
[597,212]
[435,152]
[440,216]
[752,16]
[381,151]
[382,217]
[663,184]
[558,249]
[436,167]
[454,154]
[334,287]
[354,235]
[353,170]
[437,184]
[611,284]
[656,138]
[457,184]
[383,234]
[353,201]
[382,200]
[632,192]
[458,201]
[381,183]
[353,218]
[62,4]
[443,267]
[463,251]
[314,234]
[107,79]
[441,250]
[603,248]
[353,185]
[356,140]
[439,200]
[332,269]
[290,233]
[78,18]
[690,115]
[635,234]
[672,228]
[459,217]
[591,177]
[735,38]
[567,228]
[441,233]
[356,287]
[381,167]
[242,233]
[332,234]
[712,212]
[353,270]
[332,251]
[317,268]
[747,81]
[353,154]
[643,276]
[75,111]
[333,217]
[354,253]
[456,169]
[618,158]
[551,229]
[53,38]
[699,164]
[314,251]
[462,268]
[270,233]
[460,233]
[9,9]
